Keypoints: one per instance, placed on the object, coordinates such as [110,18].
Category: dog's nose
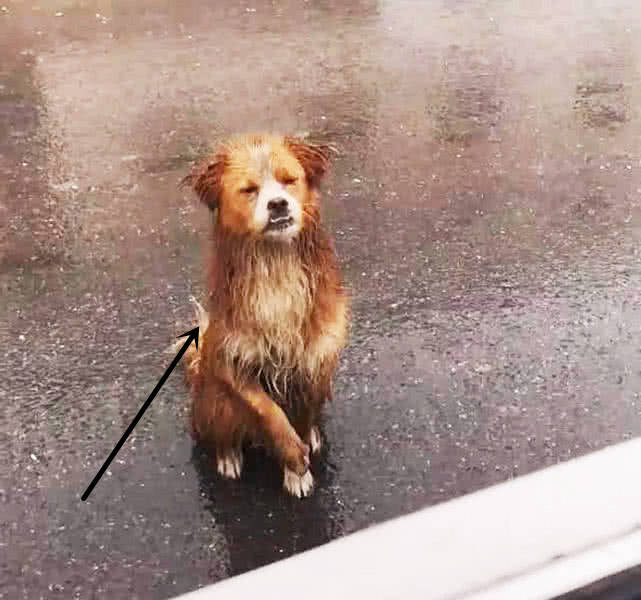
[278,207]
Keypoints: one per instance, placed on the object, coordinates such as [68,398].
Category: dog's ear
[314,159]
[206,181]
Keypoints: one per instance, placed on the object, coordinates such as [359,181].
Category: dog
[277,314]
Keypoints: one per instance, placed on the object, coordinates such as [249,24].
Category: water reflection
[259,521]
[31,221]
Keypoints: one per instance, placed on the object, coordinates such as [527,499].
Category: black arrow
[190,335]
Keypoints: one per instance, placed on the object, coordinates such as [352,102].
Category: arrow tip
[192,334]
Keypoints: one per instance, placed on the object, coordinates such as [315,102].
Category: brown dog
[277,316]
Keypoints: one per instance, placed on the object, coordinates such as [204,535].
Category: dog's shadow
[259,520]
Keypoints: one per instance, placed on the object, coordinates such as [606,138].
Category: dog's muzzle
[279,216]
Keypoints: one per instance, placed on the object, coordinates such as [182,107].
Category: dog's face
[262,186]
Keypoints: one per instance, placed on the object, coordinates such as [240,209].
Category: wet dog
[277,313]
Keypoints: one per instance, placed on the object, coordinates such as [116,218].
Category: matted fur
[277,313]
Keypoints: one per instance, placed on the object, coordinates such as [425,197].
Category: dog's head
[262,185]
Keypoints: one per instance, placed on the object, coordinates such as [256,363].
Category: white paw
[314,440]
[296,485]
[231,464]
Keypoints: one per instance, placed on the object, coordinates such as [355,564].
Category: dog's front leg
[274,425]
[292,451]
[279,432]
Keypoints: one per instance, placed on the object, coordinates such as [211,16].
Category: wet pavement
[486,202]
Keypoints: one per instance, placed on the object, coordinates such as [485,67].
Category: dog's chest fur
[272,303]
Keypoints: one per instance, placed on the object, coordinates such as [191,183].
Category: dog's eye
[249,189]
[289,180]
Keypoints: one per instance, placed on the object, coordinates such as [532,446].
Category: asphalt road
[486,202]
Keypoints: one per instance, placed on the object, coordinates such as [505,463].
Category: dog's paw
[230,464]
[315,440]
[295,454]
[298,485]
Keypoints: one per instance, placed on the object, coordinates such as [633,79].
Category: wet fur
[276,317]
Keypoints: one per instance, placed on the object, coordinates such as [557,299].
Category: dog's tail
[192,356]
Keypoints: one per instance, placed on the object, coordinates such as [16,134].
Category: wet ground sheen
[486,203]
